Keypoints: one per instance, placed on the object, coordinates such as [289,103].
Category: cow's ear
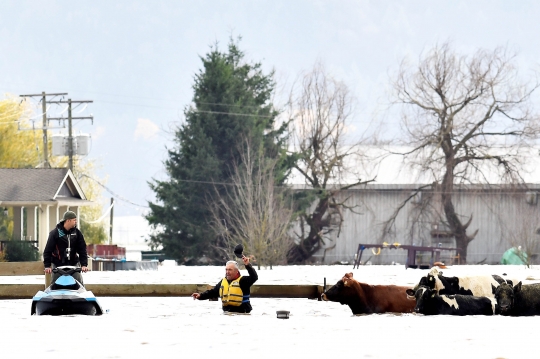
[517,287]
[349,275]
[410,292]
[493,289]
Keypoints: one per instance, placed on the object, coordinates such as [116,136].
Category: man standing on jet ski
[234,289]
[66,247]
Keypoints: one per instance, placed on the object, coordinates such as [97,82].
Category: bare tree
[253,211]
[320,108]
[466,120]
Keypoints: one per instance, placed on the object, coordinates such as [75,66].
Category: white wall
[130,232]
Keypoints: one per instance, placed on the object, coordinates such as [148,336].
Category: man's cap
[69,215]
[238,250]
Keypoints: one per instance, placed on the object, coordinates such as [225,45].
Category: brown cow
[367,299]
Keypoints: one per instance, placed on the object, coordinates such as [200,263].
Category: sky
[164,327]
[136,60]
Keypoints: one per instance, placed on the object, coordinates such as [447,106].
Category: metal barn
[504,215]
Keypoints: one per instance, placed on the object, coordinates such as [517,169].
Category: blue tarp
[514,256]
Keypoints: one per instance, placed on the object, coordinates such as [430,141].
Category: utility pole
[111,221]
[70,130]
[44,95]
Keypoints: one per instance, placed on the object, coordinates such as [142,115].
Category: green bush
[20,251]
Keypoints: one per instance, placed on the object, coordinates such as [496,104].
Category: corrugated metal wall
[497,213]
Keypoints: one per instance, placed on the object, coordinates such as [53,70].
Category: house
[39,197]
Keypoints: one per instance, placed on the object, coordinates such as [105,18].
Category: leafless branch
[320,108]
[465,117]
[253,211]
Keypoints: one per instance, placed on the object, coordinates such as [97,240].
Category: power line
[111,192]
[161,99]
[13,122]
[10,114]
[233,113]
[493,191]
[229,105]
[137,105]
[204,111]
[101,217]
[404,190]
[194,110]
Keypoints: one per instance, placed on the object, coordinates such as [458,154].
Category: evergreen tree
[231,103]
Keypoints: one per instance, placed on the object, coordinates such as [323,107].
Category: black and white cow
[479,285]
[518,300]
[428,302]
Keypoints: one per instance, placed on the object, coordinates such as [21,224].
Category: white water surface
[176,327]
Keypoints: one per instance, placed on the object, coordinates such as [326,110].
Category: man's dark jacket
[245,284]
[55,250]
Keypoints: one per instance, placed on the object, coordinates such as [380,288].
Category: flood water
[172,327]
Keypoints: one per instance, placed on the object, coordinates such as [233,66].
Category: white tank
[81,144]
[59,145]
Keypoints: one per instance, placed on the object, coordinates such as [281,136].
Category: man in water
[234,289]
[66,247]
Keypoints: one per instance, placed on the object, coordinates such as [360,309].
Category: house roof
[23,186]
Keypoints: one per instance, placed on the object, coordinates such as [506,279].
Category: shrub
[20,251]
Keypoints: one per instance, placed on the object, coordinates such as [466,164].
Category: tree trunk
[458,229]
[312,243]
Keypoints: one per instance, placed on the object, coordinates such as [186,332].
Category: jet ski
[66,296]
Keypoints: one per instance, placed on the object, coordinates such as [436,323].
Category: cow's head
[427,281]
[504,294]
[342,291]
[435,271]
[421,294]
